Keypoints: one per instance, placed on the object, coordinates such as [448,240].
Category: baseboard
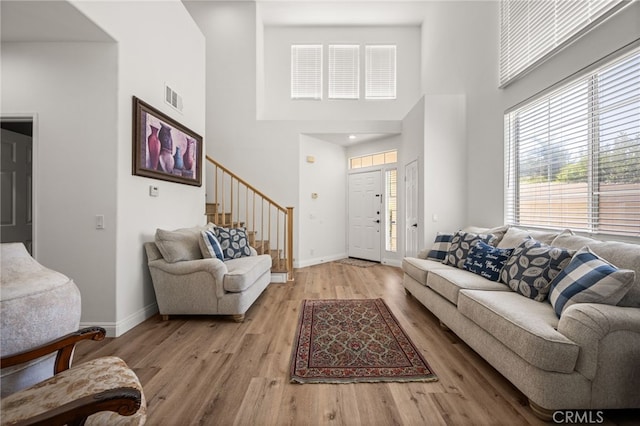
[319,260]
[119,328]
[392,262]
[279,277]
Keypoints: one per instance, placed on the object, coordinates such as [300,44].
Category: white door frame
[33,118]
[412,213]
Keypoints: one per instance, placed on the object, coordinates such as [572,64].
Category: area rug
[357,262]
[354,340]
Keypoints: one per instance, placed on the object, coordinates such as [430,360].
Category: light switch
[100,221]
[154,191]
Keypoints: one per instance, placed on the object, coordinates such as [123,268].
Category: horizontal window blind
[344,71]
[380,73]
[306,71]
[572,158]
[533,30]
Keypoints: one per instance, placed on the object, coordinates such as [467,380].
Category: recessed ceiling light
[352,137]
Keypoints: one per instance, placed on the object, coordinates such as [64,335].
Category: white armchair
[206,286]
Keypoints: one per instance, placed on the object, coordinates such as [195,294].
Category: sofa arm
[603,332]
[215,267]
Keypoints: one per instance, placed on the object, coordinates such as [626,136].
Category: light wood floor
[212,371]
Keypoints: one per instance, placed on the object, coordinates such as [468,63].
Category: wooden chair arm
[64,346]
[124,401]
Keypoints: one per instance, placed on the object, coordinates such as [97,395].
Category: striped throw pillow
[589,279]
[440,247]
[210,246]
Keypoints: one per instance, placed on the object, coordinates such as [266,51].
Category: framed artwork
[163,148]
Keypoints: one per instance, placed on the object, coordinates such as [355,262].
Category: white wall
[322,220]
[277,73]
[71,88]
[158,43]
[434,135]
[460,56]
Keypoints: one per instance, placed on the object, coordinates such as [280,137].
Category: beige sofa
[185,283]
[589,358]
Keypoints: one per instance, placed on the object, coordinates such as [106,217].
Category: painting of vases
[163,148]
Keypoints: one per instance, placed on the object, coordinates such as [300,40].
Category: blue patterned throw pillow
[589,279]
[234,242]
[487,261]
[210,246]
[460,246]
[532,266]
[440,247]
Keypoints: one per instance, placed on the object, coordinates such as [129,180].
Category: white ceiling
[33,21]
[352,13]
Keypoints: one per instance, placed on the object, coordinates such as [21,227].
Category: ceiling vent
[172,98]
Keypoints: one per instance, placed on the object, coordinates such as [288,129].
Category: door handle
[377,221]
[415,225]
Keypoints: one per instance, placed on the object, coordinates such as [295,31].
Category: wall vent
[172,98]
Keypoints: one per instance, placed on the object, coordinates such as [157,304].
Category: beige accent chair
[185,283]
[103,391]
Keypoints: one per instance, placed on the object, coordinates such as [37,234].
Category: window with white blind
[344,71]
[572,157]
[306,71]
[533,30]
[380,81]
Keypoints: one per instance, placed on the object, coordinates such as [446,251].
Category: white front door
[411,208]
[365,207]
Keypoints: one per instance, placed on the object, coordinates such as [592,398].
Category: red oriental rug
[354,340]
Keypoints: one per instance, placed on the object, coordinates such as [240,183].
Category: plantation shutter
[572,158]
[381,72]
[344,72]
[306,71]
[533,30]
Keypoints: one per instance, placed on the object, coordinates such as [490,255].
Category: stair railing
[236,203]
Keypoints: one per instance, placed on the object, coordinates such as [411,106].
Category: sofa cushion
[234,242]
[526,327]
[243,272]
[516,236]
[460,246]
[498,232]
[623,255]
[210,246]
[532,266]
[448,281]
[486,261]
[418,268]
[181,244]
[589,279]
[440,247]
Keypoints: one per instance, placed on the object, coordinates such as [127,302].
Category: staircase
[234,203]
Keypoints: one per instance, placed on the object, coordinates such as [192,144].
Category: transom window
[572,157]
[370,160]
[533,30]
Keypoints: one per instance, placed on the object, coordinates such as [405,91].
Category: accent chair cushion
[440,247]
[209,245]
[589,279]
[460,246]
[181,244]
[532,266]
[234,242]
[486,261]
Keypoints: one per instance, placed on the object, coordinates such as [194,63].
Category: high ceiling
[34,21]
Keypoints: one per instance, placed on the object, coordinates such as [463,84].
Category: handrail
[247,184]
[223,177]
